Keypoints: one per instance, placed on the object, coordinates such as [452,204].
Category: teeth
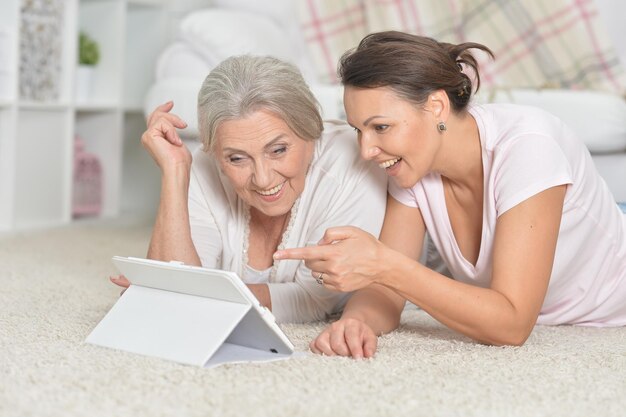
[271,191]
[389,163]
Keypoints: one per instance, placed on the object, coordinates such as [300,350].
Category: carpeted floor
[54,290]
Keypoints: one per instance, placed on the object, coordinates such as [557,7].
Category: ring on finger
[320,278]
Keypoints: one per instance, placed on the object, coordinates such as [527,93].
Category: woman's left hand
[348,257]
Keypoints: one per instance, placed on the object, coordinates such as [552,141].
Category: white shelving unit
[34,152]
[8,116]
[37,137]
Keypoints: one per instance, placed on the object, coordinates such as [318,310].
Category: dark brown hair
[412,66]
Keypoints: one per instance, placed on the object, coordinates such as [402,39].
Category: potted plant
[88,57]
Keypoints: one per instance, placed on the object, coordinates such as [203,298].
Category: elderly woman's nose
[262,175]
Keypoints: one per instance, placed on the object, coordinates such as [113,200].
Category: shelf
[35,105]
[145,3]
[96,107]
[130,109]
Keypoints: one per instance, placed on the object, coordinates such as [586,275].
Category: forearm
[171,237]
[480,313]
[376,306]
[300,302]
[262,293]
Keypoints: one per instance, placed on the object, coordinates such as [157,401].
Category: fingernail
[276,255]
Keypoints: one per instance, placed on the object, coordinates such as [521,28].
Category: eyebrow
[369,119]
[267,145]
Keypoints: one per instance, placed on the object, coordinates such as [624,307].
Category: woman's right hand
[161,139]
[122,281]
[346,337]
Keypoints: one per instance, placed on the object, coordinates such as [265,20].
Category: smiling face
[396,134]
[265,161]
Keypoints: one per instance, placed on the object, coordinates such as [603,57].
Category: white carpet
[54,290]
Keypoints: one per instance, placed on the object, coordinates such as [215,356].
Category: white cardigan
[340,189]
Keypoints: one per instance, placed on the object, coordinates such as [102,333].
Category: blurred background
[77,78]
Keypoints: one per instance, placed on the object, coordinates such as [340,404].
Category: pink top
[525,151]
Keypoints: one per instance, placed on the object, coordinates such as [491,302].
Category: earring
[441,127]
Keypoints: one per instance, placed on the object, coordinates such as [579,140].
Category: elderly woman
[270,175]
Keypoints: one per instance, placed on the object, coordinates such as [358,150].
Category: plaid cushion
[560,43]
[330,28]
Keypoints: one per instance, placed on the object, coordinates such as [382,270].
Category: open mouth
[388,164]
[271,191]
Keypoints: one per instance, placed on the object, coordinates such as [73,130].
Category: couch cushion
[217,34]
[180,60]
[598,118]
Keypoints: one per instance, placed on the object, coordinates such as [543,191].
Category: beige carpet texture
[54,289]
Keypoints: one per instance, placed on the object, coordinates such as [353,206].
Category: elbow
[510,327]
[513,339]
[510,336]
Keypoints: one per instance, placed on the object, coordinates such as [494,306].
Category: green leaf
[88,50]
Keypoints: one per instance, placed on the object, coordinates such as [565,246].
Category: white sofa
[242,26]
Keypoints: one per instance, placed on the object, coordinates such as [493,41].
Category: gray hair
[241,85]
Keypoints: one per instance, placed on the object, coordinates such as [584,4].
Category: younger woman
[509,195]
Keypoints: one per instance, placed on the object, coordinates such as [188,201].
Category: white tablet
[189,314]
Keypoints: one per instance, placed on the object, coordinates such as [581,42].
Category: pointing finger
[307,253]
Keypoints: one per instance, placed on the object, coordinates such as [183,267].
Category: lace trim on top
[283,241]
